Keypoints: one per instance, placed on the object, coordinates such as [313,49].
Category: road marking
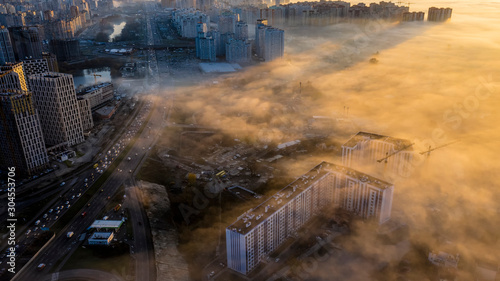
[55,276]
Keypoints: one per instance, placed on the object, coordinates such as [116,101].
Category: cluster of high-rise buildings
[25,43]
[261,230]
[435,14]
[230,37]
[269,41]
[439,14]
[186,20]
[55,21]
[318,13]
[61,12]
[331,12]
[40,111]
[413,16]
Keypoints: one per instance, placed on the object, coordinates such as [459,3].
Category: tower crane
[387,155]
[428,151]
[95,77]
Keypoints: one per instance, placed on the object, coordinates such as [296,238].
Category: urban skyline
[248,140]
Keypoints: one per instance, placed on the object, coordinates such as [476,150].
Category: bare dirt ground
[169,262]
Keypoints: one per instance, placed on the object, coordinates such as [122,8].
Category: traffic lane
[115,180]
[54,252]
[86,274]
[141,249]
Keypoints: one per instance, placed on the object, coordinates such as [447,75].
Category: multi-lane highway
[61,245]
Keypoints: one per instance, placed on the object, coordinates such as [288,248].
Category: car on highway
[40,267]
[79,194]
[62,183]
[51,210]
[84,214]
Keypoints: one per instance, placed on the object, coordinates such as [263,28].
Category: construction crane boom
[95,77]
[428,151]
[394,153]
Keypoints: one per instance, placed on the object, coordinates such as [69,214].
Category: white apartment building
[364,150]
[261,230]
[55,97]
[97,94]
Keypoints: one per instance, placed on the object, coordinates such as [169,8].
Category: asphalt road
[82,274]
[61,245]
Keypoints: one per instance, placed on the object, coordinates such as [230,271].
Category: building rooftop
[399,144]
[50,75]
[101,235]
[105,111]
[92,88]
[106,224]
[253,217]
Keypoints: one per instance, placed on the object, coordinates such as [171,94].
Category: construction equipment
[428,151]
[95,77]
[387,155]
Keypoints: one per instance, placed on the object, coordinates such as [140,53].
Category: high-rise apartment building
[47,63]
[55,97]
[261,230]
[238,51]
[227,22]
[274,44]
[274,15]
[260,29]
[65,50]
[51,61]
[439,14]
[413,16]
[205,47]
[35,66]
[26,42]
[6,50]
[85,113]
[205,44]
[21,140]
[363,150]
[241,31]
[12,77]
